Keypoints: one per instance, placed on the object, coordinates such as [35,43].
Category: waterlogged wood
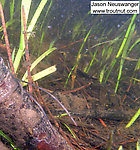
[23,120]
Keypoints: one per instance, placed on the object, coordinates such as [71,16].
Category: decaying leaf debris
[23,120]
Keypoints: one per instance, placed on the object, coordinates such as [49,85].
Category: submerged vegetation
[110,54]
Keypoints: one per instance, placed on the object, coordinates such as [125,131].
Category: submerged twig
[56,123]
[18,113]
[27,51]
[128,89]
[77,89]
[6,39]
[54,99]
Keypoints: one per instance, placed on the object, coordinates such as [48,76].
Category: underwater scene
[69,79]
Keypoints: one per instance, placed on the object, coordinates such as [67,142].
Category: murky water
[67,24]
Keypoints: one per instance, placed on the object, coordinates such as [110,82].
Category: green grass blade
[13,54]
[2,2]
[42,74]
[103,51]
[110,51]
[120,148]
[40,43]
[138,145]
[62,115]
[119,75]
[12,4]
[60,33]
[138,41]
[110,70]
[76,29]
[137,65]
[130,59]
[38,60]
[17,59]
[70,130]
[42,37]
[46,14]
[91,62]
[8,139]
[133,119]
[109,142]
[85,39]
[122,46]
[5,136]
[109,41]
[69,75]
[35,17]
[26,4]
[8,23]
[125,49]
[102,74]
[138,80]
[126,36]
[78,56]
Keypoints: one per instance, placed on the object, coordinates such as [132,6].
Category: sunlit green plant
[27,6]
[122,54]
[12,144]
[16,57]
[78,29]
[133,119]
[137,146]
[105,51]
[122,51]
[11,20]
[74,69]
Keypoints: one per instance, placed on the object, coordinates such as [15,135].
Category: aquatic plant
[137,146]
[16,57]
[41,124]
[109,47]
[26,4]
[105,54]
[74,69]
[12,144]
[123,50]
[133,119]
